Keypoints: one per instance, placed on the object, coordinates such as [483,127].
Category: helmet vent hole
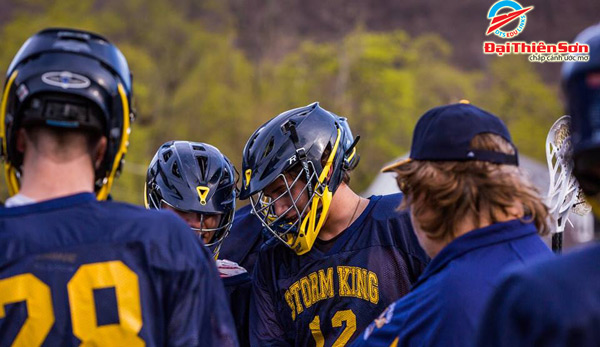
[203,164]
[226,177]
[167,155]
[269,147]
[198,148]
[175,170]
[253,139]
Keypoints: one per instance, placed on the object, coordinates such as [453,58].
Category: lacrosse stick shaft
[557,240]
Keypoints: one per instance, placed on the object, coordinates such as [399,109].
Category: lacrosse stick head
[564,194]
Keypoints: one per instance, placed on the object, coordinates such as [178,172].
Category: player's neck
[471,221]
[44,178]
[346,207]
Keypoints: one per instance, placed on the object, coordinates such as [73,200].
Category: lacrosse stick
[564,193]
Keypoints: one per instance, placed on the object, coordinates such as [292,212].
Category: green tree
[517,94]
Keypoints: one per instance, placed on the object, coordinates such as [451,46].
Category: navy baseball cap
[444,133]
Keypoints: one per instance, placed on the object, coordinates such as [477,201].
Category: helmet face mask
[216,231]
[193,177]
[295,195]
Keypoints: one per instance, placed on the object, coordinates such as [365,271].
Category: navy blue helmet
[193,177]
[581,84]
[312,142]
[70,79]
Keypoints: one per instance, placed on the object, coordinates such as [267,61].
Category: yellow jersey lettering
[290,302]
[305,290]
[362,291]
[373,288]
[353,281]
[343,273]
[353,269]
[314,286]
[326,283]
[294,289]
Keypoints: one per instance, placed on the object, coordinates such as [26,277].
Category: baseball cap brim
[394,166]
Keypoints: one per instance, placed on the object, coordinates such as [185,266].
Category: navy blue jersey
[244,240]
[551,303]
[239,290]
[76,270]
[241,246]
[446,304]
[326,298]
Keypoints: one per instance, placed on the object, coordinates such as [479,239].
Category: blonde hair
[450,190]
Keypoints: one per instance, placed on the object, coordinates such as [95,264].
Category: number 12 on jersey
[345,316]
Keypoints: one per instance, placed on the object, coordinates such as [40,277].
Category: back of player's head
[581,84]
[463,162]
[314,146]
[193,177]
[68,79]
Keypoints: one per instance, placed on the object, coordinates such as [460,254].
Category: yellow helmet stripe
[352,155]
[309,226]
[4,105]
[9,170]
[103,192]
[327,167]
[146,204]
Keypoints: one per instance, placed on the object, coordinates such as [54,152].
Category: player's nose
[282,207]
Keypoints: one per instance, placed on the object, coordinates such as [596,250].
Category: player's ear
[100,151]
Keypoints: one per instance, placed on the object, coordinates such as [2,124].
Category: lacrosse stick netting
[564,193]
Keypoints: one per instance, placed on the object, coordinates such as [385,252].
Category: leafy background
[213,71]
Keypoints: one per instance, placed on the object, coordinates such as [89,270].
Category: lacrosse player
[474,213]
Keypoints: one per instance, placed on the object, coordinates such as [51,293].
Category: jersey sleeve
[197,309]
[265,327]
